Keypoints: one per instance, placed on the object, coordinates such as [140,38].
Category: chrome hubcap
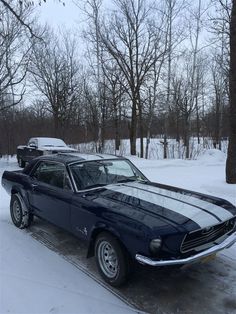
[16,211]
[107,259]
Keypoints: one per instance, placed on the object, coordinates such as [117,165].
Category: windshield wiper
[127,179]
[131,179]
[95,186]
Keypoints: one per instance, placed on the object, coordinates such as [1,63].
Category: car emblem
[83,231]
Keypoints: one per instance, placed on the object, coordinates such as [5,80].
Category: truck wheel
[19,212]
[21,163]
[112,261]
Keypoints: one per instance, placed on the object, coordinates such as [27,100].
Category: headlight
[155,245]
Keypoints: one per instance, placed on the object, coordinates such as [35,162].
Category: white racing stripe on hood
[197,215]
[220,212]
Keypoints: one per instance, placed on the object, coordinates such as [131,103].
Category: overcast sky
[55,14]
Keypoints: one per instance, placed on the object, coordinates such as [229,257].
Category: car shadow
[199,288]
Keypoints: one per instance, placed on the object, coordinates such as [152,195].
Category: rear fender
[22,195]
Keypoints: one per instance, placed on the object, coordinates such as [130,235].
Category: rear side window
[33,142]
[51,173]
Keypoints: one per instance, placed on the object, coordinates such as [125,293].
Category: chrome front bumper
[228,242]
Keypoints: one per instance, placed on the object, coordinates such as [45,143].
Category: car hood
[157,205]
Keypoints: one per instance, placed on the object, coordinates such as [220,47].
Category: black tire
[19,212]
[115,266]
[21,163]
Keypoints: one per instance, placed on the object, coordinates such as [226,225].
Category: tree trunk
[177,128]
[165,142]
[117,133]
[133,128]
[141,132]
[141,142]
[217,121]
[198,122]
[147,144]
[231,158]
[56,124]
[186,139]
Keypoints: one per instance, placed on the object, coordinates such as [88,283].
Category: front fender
[132,240]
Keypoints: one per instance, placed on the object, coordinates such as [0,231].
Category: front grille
[207,235]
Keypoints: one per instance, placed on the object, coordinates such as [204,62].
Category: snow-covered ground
[34,279]
[206,174]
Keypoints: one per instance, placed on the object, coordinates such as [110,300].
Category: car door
[84,211]
[30,149]
[51,193]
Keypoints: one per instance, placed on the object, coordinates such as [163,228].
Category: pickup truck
[38,146]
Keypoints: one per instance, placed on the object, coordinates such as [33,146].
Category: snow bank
[212,156]
[175,150]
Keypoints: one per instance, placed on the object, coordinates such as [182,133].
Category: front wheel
[19,212]
[112,260]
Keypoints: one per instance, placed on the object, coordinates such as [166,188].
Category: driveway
[199,288]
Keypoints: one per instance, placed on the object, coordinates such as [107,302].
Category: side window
[39,172]
[54,174]
[33,142]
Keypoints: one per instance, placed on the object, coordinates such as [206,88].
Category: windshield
[50,142]
[93,174]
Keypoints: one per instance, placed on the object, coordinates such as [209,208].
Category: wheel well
[22,200]
[95,233]
[14,191]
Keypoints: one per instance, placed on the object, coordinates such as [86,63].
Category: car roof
[69,158]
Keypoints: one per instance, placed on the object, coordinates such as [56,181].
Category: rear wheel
[19,212]
[112,260]
[21,163]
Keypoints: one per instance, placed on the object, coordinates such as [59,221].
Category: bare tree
[54,68]
[174,33]
[152,94]
[231,158]
[15,9]
[92,10]
[113,80]
[220,100]
[14,57]
[130,40]
[183,97]
[186,85]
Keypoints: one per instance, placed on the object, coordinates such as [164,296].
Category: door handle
[34,185]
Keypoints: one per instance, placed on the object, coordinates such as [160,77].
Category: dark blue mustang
[108,202]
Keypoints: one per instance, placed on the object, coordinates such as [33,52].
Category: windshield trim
[98,159]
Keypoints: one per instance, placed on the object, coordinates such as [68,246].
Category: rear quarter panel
[16,182]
